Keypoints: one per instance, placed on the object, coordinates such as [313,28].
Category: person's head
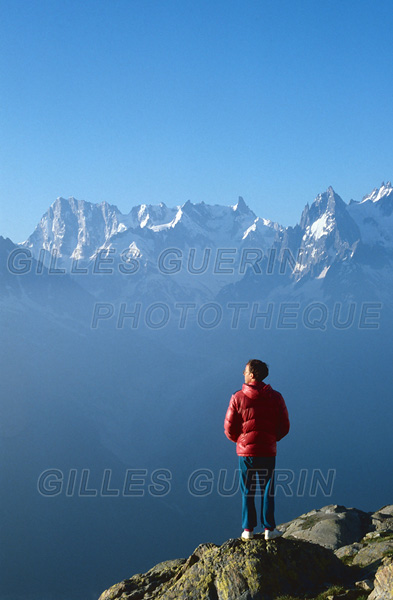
[255,370]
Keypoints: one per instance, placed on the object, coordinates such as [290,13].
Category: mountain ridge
[344,250]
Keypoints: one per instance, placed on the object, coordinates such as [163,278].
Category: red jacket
[256,419]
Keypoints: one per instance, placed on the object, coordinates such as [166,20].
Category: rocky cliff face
[330,553]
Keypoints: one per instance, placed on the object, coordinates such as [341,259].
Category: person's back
[256,419]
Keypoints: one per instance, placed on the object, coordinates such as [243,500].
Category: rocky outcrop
[332,526]
[383,585]
[238,569]
[368,552]
[334,546]
[382,520]
[373,555]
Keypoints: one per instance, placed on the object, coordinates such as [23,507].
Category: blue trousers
[262,467]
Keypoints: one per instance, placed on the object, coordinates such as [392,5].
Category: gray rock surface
[332,526]
[383,584]
[348,551]
[365,584]
[334,545]
[370,551]
[382,520]
[251,570]
[373,552]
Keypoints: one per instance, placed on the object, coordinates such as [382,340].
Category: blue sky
[142,101]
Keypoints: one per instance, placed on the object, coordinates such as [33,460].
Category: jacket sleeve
[233,421]
[283,419]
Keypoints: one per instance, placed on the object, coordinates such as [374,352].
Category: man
[256,419]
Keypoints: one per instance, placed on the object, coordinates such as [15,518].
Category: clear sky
[143,101]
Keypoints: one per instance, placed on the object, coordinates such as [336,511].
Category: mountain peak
[241,206]
[60,201]
[378,193]
[70,202]
[330,197]
[328,203]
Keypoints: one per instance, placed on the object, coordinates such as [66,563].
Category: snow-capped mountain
[124,394]
[374,217]
[329,234]
[76,229]
[201,252]
[80,234]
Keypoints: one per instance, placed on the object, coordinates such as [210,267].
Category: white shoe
[271,535]
[247,535]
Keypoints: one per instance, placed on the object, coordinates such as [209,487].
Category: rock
[371,554]
[247,570]
[139,585]
[366,585]
[367,555]
[382,520]
[383,584]
[372,535]
[312,556]
[385,510]
[348,551]
[347,595]
[332,526]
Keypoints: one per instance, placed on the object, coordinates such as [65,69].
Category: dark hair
[259,369]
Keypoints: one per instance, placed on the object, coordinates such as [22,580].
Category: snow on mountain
[154,217]
[338,252]
[82,231]
[335,246]
[378,193]
[374,217]
[194,236]
[75,228]
[261,234]
[329,234]
[214,224]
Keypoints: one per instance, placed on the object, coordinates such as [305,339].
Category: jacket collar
[255,390]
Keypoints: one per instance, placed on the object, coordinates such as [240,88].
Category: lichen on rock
[255,569]
[302,564]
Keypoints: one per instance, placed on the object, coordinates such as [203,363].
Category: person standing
[256,419]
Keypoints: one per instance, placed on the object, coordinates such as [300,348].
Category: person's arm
[283,419]
[232,423]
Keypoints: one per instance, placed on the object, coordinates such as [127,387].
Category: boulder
[239,569]
[365,584]
[331,546]
[347,552]
[383,583]
[373,552]
[332,526]
[382,520]
[142,585]
[368,554]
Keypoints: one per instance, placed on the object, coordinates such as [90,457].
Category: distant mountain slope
[25,284]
